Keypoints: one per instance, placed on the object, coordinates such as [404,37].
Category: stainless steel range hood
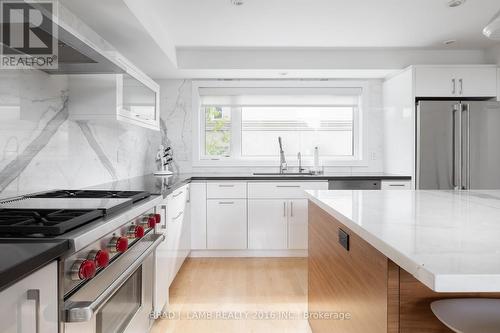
[77,57]
[80,49]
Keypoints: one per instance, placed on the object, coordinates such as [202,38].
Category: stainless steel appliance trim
[467,171]
[453,146]
[460,144]
[34,295]
[83,236]
[82,311]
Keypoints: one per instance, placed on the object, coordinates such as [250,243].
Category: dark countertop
[165,185]
[20,257]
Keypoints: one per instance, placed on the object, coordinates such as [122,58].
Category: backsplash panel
[41,148]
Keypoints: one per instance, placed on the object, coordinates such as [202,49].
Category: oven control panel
[90,261]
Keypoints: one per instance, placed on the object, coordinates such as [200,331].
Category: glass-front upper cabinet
[138,100]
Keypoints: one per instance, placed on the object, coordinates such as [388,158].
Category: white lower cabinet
[267,224]
[226,224]
[297,224]
[275,224]
[171,253]
[31,300]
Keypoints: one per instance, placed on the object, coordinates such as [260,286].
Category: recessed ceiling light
[237,2]
[449,41]
[455,3]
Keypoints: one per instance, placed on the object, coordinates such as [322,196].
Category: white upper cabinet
[130,97]
[137,98]
[459,81]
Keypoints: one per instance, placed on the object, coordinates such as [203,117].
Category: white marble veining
[450,241]
[41,148]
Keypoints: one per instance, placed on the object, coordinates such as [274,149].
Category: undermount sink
[282,174]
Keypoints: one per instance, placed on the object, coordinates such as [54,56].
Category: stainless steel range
[106,280]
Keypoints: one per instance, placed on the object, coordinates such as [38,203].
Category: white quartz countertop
[450,241]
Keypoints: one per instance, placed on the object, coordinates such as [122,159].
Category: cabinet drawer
[285,190]
[226,190]
[396,185]
[176,201]
[227,224]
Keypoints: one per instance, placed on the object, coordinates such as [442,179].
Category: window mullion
[236,132]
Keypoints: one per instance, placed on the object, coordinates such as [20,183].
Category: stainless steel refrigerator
[458,145]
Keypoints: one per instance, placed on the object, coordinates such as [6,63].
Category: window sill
[291,164]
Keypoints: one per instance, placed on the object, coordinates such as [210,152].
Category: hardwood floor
[251,288]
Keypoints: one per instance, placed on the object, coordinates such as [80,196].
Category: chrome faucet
[299,158]
[283,166]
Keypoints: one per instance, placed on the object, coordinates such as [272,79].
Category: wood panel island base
[348,276]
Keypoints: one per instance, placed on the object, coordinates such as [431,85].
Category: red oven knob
[151,222]
[83,270]
[148,221]
[100,257]
[118,244]
[135,231]
[158,218]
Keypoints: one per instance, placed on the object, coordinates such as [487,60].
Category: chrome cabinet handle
[226,185]
[164,225]
[176,195]
[178,215]
[284,208]
[226,202]
[397,185]
[454,86]
[82,311]
[288,186]
[291,208]
[461,82]
[34,295]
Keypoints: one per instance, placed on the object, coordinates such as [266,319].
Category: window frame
[198,124]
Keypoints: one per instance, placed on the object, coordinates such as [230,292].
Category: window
[244,123]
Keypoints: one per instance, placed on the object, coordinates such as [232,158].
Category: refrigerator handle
[456,174]
[466,161]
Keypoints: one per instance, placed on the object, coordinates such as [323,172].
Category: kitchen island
[384,256]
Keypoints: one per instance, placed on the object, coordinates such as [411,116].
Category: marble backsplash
[42,148]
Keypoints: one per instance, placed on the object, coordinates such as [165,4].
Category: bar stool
[469,315]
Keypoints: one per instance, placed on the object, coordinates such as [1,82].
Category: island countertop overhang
[449,241]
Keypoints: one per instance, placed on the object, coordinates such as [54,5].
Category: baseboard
[247,253]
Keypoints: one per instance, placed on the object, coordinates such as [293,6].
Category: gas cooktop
[56,212]
[133,195]
[44,222]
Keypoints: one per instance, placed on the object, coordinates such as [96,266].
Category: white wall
[176,111]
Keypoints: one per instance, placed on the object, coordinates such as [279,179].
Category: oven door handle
[82,311]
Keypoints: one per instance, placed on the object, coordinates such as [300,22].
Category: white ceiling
[324,23]
[308,38]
